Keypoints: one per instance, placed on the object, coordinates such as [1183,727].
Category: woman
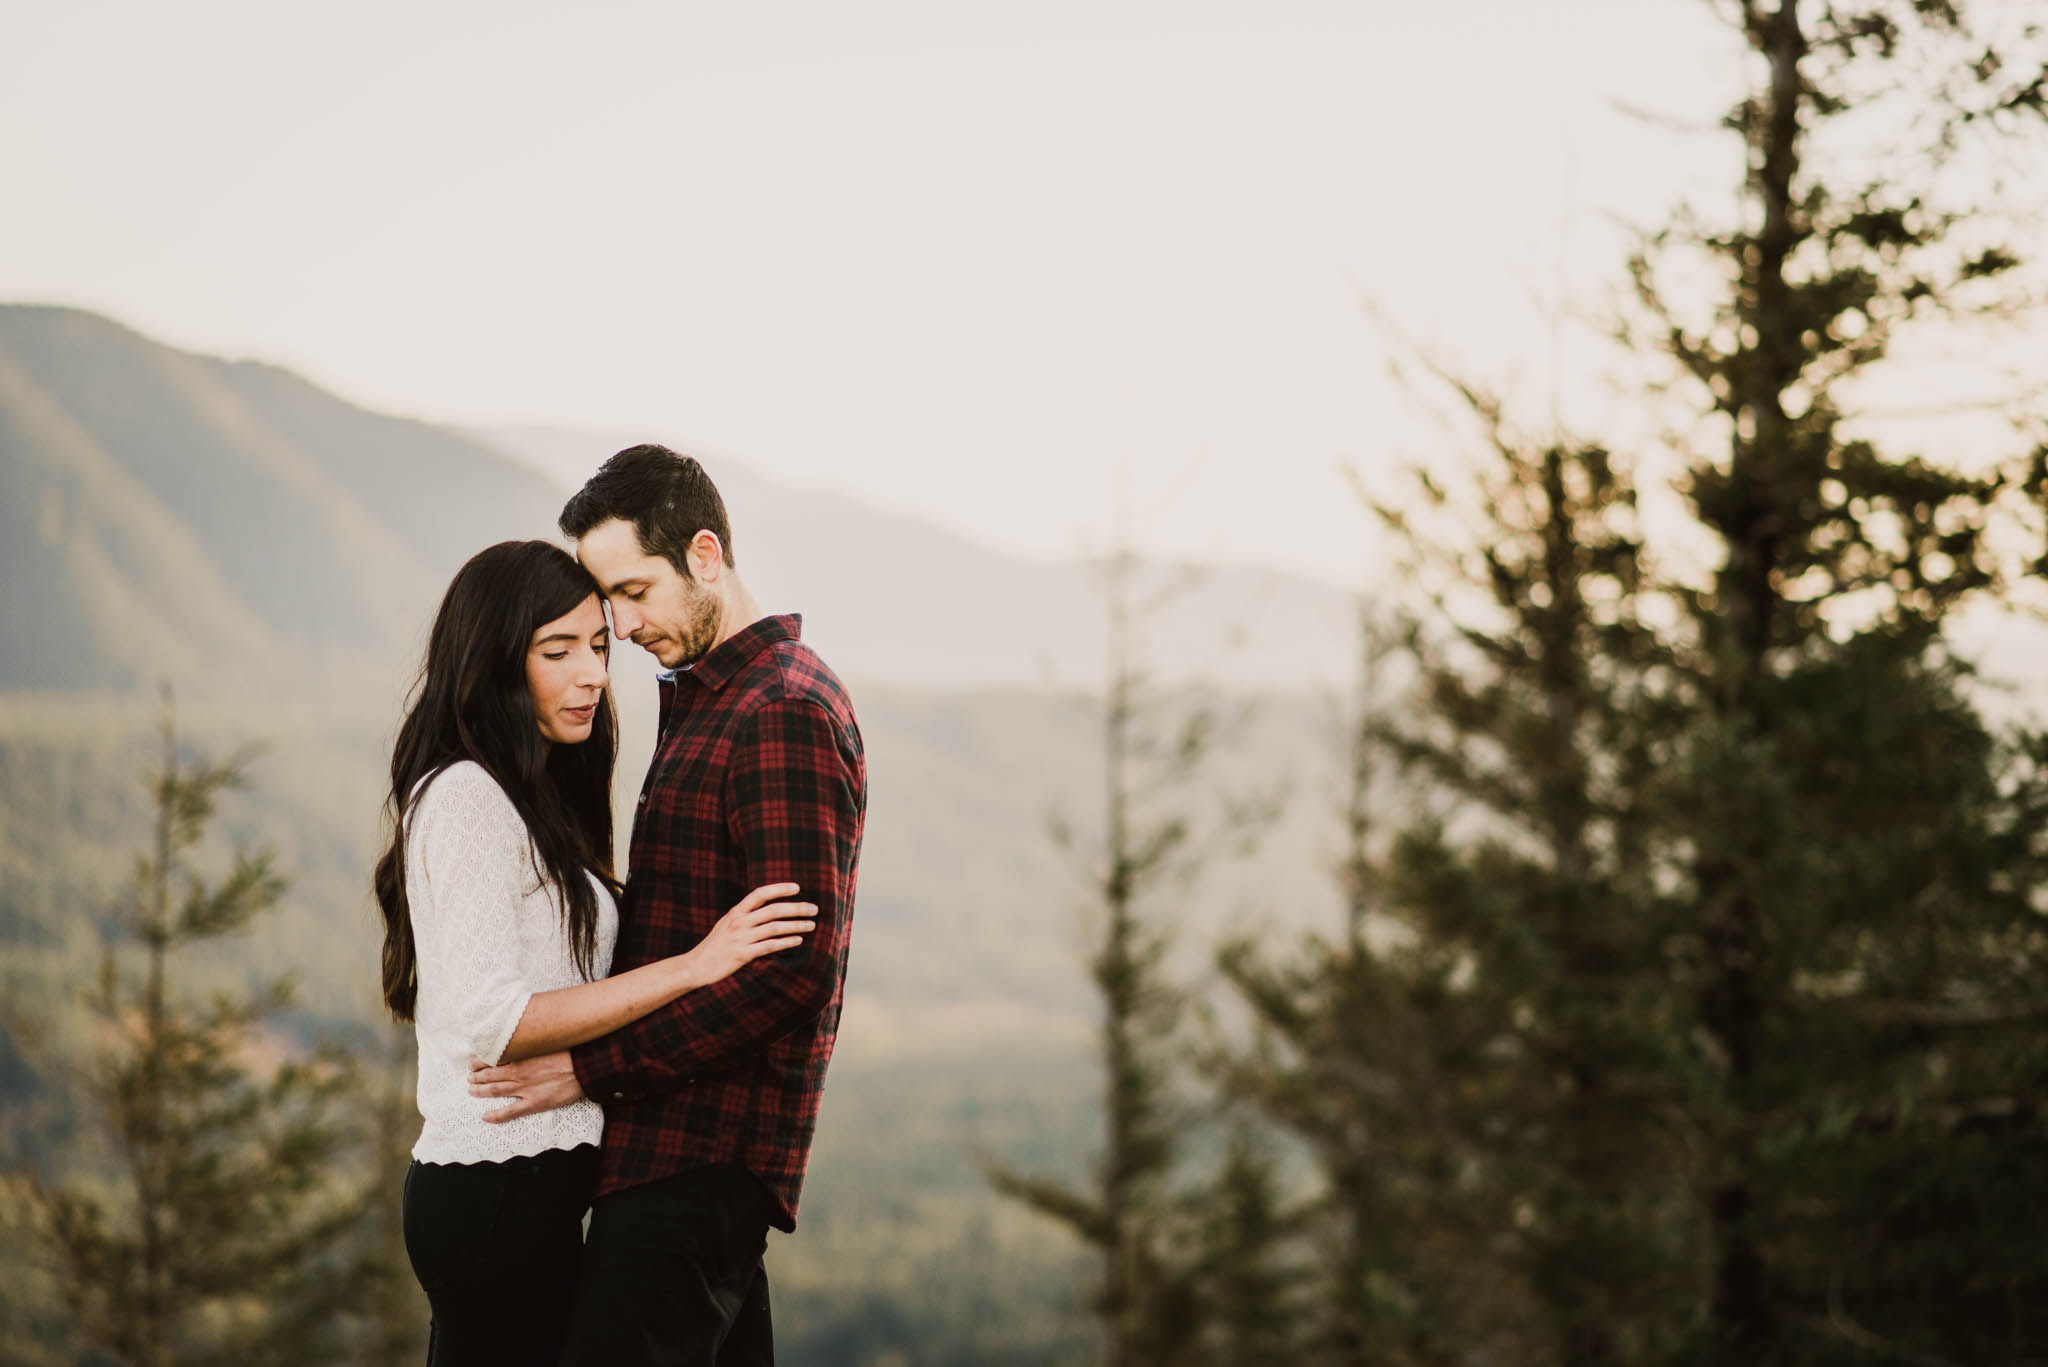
[499,921]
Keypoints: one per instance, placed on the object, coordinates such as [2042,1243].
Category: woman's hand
[535,1084]
[564,1017]
[761,924]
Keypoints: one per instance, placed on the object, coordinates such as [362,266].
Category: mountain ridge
[174,515]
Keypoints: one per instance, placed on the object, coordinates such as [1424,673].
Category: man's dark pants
[672,1275]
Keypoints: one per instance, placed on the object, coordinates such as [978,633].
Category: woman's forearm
[570,1015]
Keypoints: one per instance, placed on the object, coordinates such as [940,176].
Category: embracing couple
[652,1053]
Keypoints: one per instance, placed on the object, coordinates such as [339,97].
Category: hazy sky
[994,264]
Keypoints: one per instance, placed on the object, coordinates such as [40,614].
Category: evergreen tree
[1848,831]
[222,1245]
[1130,1213]
[1354,1050]
[1539,720]
[1482,1089]
[395,1312]
[1246,1267]
[1728,936]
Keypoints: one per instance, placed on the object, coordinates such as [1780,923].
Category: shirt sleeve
[478,861]
[793,805]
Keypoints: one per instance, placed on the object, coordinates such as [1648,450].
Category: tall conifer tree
[1738,892]
[227,1241]
[1362,1051]
[1846,827]
[1129,1213]
[1482,1087]
[1536,721]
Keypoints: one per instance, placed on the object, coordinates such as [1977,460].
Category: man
[758,777]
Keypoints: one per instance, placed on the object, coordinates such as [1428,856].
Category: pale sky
[996,265]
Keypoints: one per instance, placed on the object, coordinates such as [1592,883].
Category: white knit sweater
[489,934]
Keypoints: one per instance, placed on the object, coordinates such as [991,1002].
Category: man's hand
[535,1084]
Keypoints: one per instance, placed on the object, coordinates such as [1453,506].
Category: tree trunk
[1769,360]
[152,1153]
[1118,983]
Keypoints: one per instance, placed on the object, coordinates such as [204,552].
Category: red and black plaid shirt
[758,778]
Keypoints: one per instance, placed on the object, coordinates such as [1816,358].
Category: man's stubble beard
[700,632]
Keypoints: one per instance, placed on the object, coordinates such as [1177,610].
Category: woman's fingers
[777,911]
[781,929]
[763,922]
[767,893]
[782,939]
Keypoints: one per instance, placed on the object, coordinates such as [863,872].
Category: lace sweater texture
[489,934]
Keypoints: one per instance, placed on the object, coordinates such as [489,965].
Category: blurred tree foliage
[1857,851]
[393,1309]
[1131,1213]
[1698,1011]
[227,1235]
[1480,1062]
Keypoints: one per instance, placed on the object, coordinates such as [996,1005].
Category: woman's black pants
[496,1248]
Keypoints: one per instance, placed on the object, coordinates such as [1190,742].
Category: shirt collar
[716,669]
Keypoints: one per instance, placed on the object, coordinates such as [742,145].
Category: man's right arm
[793,805]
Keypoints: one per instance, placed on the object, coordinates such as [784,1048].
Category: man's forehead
[612,577]
[612,537]
[612,547]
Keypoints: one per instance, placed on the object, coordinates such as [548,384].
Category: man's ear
[707,557]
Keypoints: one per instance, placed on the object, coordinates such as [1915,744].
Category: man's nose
[624,623]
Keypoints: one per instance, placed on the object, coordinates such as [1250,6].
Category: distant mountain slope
[224,524]
[234,528]
[892,599]
[100,584]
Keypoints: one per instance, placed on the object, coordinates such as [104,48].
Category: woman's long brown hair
[472,702]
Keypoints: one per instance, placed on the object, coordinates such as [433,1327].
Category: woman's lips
[582,713]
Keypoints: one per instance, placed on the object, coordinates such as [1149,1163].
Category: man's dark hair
[667,497]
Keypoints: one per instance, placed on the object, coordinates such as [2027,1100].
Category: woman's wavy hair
[472,702]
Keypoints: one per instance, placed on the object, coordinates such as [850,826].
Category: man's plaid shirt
[758,777]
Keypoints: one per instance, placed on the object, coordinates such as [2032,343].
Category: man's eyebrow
[624,584]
